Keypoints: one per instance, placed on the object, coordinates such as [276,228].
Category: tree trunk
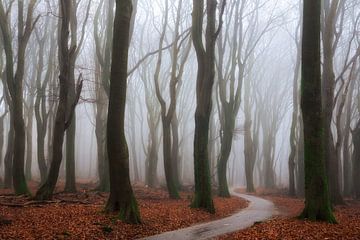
[70,185]
[121,197]
[62,120]
[225,150]
[317,202]
[8,157]
[328,89]
[204,85]
[346,143]
[356,161]
[175,150]
[300,167]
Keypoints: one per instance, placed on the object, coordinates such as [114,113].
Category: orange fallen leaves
[287,226]
[64,220]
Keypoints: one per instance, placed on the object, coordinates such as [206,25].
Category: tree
[317,202]
[328,92]
[41,112]
[75,47]
[15,86]
[168,114]
[63,117]
[294,140]
[204,85]
[121,197]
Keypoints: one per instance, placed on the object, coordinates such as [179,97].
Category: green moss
[22,189]
[130,213]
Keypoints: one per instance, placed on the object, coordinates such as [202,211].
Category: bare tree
[63,117]
[15,85]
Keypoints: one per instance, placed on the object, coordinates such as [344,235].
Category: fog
[256,76]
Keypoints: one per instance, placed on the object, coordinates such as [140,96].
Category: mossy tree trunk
[121,197]
[205,80]
[317,202]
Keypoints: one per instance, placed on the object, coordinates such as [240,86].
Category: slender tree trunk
[225,150]
[356,161]
[300,167]
[346,143]
[294,124]
[29,145]
[8,157]
[328,89]
[62,120]
[175,150]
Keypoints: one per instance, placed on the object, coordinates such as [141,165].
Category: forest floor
[287,226]
[81,216]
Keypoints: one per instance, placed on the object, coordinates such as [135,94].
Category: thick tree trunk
[204,85]
[121,197]
[317,202]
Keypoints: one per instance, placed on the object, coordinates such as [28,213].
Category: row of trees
[232,50]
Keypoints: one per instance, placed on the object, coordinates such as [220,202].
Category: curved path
[258,210]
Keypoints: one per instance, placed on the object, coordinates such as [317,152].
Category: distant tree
[41,111]
[317,202]
[63,117]
[75,46]
[121,197]
[15,85]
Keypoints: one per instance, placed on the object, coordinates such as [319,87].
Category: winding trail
[258,210]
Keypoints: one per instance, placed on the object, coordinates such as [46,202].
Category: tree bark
[62,120]
[205,80]
[317,202]
[121,197]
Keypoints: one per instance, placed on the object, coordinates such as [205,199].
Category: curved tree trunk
[121,197]
[62,119]
[204,86]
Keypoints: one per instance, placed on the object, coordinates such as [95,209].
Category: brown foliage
[81,216]
[287,226]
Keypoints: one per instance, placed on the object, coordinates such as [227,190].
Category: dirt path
[258,210]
